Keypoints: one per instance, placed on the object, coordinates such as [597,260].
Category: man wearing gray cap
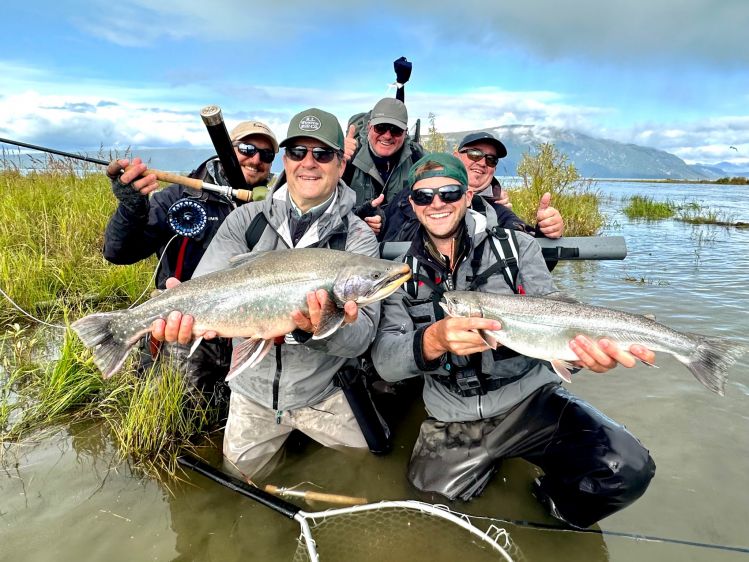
[292,386]
[140,228]
[379,170]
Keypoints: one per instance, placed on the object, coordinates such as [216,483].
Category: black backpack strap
[338,240]
[255,230]
[503,244]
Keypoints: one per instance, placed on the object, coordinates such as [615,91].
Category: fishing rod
[194,183]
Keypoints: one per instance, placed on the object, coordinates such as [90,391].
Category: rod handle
[242,194]
[318,496]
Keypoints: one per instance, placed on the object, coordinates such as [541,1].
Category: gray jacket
[396,354]
[366,180]
[295,374]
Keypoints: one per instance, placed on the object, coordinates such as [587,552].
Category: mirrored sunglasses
[249,150]
[320,154]
[476,155]
[448,194]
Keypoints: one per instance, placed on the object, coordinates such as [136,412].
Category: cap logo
[309,123]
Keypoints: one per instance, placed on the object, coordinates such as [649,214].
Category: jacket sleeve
[507,219]
[135,232]
[533,274]
[351,340]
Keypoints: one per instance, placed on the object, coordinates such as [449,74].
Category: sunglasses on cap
[476,155]
[382,128]
[320,154]
[448,194]
[249,150]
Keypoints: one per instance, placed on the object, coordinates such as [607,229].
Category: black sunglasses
[266,154]
[448,194]
[322,155]
[382,128]
[476,155]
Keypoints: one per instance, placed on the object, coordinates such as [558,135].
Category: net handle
[268,500]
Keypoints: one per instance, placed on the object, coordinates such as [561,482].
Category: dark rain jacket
[397,349]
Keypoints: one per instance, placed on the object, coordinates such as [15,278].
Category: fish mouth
[387,286]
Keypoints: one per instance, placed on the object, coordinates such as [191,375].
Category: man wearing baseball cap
[378,171]
[292,386]
[484,401]
[141,227]
[480,152]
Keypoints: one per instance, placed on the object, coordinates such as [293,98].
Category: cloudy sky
[670,74]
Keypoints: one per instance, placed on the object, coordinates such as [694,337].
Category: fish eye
[376,275]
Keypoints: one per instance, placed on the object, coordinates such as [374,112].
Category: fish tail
[96,333]
[710,360]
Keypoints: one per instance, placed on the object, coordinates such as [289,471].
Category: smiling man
[292,386]
[486,404]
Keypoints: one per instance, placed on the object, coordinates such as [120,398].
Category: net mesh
[396,533]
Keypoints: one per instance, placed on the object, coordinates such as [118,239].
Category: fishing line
[620,534]
[11,301]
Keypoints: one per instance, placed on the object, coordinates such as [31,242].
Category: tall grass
[52,231]
[646,207]
[547,170]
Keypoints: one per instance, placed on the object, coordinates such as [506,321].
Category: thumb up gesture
[549,219]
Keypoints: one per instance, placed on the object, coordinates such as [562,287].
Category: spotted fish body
[253,299]
[543,327]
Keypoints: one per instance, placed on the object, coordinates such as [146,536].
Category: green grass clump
[547,170]
[52,234]
[703,215]
[647,208]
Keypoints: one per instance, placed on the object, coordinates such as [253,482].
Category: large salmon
[543,327]
[253,299]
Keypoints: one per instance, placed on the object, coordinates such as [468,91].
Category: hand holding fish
[177,327]
[317,302]
[458,335]
[603,355]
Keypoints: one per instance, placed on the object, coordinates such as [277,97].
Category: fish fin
[654,366]
[155,293]
[710,360]
[562,368]
[96,334]
[195,345]
[561,297]
[248,354]
[330,320]
[489,338]
[649,317]
[243,259]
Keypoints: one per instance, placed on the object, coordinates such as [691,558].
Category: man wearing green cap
[488,404]
[292,386]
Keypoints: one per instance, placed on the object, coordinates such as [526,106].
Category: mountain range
[594,157]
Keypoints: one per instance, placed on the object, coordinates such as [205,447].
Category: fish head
[460,304]
[365,280]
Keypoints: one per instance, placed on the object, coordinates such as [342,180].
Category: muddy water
[65,498]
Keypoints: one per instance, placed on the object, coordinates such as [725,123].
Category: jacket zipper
[276,383]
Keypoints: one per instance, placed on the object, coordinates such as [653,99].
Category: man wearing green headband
[486,404]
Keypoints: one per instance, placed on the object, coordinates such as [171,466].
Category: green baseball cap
[451,167]
[315,124]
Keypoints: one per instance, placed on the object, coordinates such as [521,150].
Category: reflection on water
[66,498]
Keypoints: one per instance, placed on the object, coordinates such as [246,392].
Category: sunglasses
[476,155]
[320,154]
[448,194]
[249,150]
[382,128]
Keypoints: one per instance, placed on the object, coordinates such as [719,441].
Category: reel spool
[187,217]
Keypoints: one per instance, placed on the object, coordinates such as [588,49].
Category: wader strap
[504,247]
[257,226]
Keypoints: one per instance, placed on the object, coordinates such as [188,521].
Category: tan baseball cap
[247,128]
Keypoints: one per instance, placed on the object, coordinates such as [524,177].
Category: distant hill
[593,157]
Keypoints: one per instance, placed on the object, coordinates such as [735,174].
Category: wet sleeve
[533,274]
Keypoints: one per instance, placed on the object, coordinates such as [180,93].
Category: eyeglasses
[320,154]
[476,155]
[266,154]
[382,128]
[448,194]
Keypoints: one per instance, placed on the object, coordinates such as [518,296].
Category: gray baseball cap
[316,124]
[390,110]
[483,136]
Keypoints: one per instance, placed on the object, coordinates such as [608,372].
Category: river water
[64,497]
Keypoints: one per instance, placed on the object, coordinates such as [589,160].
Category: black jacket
[134,234]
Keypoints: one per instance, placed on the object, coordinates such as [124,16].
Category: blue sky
[671,74]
